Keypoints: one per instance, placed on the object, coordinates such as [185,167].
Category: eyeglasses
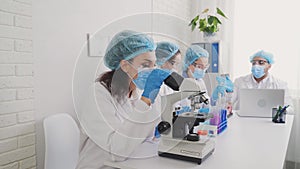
[200,66]
[258,62]
[143,65]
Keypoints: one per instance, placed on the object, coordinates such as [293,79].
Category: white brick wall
[17,124]
[16,7]
[16,106]
[7,70]
[28,163]
[6,44]
[23,21]
[23,45]
[17,155]
[15,57]
[15,32]
[7,94]
[24,70]
[6,19]
[8,120]
[16,82]
[8,145]
[26,116]
[26,140]
[10,166]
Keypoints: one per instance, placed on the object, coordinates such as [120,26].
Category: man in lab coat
[260,78]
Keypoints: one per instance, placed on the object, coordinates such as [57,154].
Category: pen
[275,118]
[283,110]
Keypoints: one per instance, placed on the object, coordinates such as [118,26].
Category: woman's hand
[153,83]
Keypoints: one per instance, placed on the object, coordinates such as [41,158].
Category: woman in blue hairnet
[168,57]
[260,78]
[125,120]
[194,66]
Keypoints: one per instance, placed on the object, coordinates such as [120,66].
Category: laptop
[259,102]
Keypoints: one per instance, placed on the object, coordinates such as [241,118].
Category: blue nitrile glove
[228,85]
[153,83]
[204,110]
[156,133]
[226,82]
[217,90]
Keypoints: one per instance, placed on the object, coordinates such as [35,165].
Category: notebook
[259,102]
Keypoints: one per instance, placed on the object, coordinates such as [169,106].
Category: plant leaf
[194,20]
[217,20]
[212,29]
[193,26]
[202,23]
[210,19]
[202,29]
[207,29]
[220,12]
[205,10]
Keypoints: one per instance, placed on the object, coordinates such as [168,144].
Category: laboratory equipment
[178,140]
[219,118]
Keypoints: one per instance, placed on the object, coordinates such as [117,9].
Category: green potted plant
[208,23]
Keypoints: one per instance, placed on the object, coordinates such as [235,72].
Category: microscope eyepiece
[174,81]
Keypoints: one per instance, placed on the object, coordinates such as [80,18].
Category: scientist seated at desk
[260,78]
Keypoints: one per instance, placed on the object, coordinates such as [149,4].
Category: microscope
[178,139]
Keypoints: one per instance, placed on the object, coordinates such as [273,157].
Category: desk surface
[247,143]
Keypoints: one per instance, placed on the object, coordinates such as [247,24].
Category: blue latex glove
[228,84]
[217,90]
[153,83]
[224,85]
[156,133]
[204,110]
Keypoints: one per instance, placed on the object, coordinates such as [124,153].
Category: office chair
[62,138]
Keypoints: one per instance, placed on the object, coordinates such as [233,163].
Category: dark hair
[116,82]
[178,52]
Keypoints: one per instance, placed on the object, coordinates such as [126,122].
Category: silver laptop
[259,102]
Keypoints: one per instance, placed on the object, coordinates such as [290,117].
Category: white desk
[247,143]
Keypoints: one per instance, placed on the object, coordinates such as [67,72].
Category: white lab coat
[270,82]
[114,131]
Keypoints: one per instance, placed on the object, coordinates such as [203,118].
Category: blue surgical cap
[263,54]
[127,45]
[164,51]
[193,53]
